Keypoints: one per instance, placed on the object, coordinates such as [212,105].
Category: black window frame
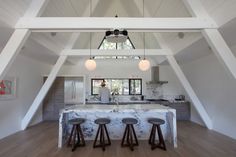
[129,80]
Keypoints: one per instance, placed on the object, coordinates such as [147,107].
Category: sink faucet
[116,100]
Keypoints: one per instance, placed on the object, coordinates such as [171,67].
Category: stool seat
[156,121]
[76,121]
[102,121]
[129,121]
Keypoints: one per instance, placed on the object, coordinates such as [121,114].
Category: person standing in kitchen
[104,93]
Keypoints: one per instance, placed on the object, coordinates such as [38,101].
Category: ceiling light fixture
[90,63]
[144,64]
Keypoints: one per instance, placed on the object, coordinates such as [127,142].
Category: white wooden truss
[31,21]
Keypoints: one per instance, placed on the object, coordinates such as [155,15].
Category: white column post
[43,91]
[197,104]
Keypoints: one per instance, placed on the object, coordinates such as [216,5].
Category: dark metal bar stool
[76,138]
[156,123]
[129,138]
[102,131]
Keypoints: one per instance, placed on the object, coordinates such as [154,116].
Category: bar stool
[101,129]
[156,123]
[127,140]
[76,132]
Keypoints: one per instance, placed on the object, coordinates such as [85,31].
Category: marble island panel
[116,128]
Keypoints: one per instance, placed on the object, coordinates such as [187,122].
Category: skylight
[105,45]
[127,45]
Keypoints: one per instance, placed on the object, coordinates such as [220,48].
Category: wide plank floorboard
[193,141]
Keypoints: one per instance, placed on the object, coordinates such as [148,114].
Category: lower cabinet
[182,110]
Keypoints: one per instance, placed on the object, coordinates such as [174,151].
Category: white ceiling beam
[214,38]
[42,93]
[96,52]
[100,23]
[18,38]
[197,104]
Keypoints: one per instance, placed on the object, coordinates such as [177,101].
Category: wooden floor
[193,141]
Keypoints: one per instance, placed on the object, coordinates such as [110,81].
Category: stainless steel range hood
[155,78]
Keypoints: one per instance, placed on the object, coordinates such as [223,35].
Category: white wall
[216,89]
[28,73]
[124,69]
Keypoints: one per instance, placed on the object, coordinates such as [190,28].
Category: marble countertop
[119,107]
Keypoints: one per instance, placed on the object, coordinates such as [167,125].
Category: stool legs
[76,138]
[161,144]
[102,130]
[128,136]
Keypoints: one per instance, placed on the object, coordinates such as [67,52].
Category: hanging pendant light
[90,63]
[144,64]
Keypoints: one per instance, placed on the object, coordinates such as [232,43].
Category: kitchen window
[118,86]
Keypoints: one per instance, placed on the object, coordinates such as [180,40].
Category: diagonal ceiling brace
[18,38]
[197,104]
[187,86]
[42,93]
[213,37]
[48,83]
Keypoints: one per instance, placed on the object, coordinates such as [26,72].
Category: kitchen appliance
[155,77]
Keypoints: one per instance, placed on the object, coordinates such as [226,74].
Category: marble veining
[116,127]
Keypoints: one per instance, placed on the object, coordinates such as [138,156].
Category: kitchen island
[116,128]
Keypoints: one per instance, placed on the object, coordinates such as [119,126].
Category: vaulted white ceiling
[46,47]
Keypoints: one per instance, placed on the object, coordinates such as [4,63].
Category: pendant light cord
[90,34]
[144,44]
